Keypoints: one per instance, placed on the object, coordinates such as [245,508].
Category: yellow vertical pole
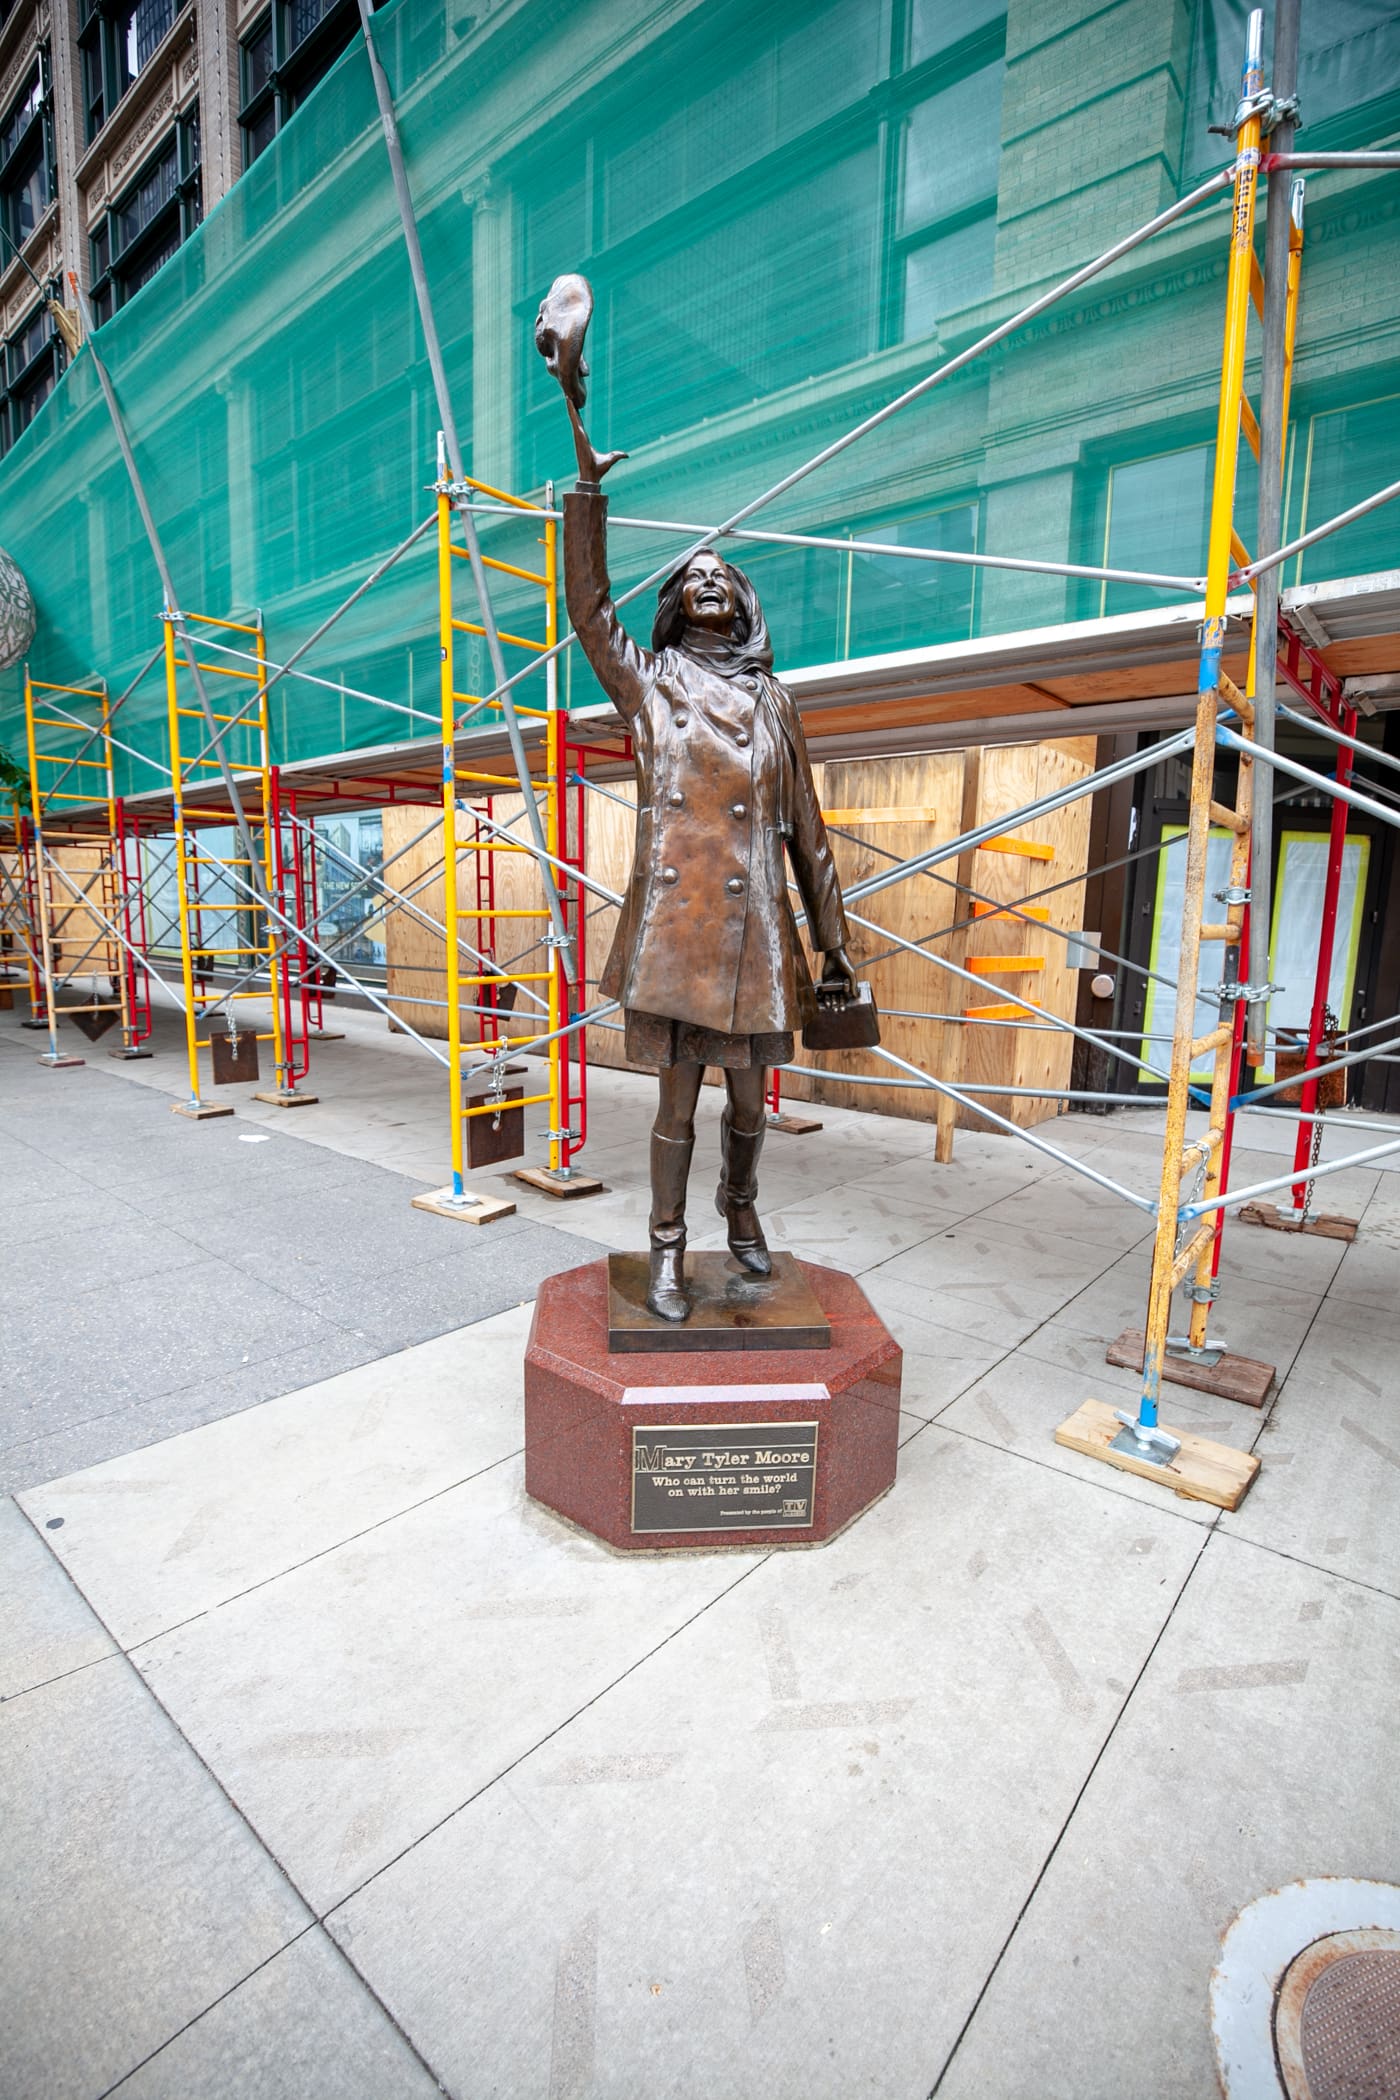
[555,789]
[182,900]
[449,821]
[1165,1257]
[41,881]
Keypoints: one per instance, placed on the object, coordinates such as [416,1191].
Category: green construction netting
[789,212]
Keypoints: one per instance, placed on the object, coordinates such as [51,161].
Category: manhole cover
[1337,2022]
[1305,1999]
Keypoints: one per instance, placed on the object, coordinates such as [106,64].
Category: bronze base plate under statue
[730,1309]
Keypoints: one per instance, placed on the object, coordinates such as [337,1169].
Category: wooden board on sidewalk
[468,1210]
[1242,1378]
[1201,1471]
[1325,1225]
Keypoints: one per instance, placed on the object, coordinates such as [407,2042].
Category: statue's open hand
[838,982]
[592,466]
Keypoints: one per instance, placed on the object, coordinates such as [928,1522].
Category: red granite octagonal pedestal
[614,1443]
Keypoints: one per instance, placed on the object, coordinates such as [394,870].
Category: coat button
[676,799]
[680,720]
[735,886]
[742,736]
[670,874]
[738,809]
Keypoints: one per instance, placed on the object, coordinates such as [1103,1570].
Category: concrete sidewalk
[334,1767]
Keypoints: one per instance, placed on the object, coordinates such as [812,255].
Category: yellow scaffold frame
[457,1198]
[46,790]
[248,726]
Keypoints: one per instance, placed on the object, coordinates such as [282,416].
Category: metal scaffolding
[252,914]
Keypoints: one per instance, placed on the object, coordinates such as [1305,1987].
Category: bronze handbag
[854,1026]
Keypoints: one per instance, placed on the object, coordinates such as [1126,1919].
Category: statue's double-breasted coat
[725,803]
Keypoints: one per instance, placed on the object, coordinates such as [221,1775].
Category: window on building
[148,221]
[950,159]
[1154,514]
[26,156]
[1341,456]
[896,603]
[30,364]
[827,176]
[282,57]
[118,38]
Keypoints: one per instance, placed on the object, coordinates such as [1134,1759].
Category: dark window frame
[32,360]
[104,37]
[302,51]
[125,257]
[31,151]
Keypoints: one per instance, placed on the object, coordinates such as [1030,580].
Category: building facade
[121,123]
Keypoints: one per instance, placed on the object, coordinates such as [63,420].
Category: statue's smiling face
[707,595]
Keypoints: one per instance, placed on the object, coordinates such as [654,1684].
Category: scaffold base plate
[1201,1471]
[467,1209]
[1324,1225]
[127,1056]
[55,1058]
[793,1126]
[286,1097]
[1231,1377]
[550,1182]
[33,1023]
[199,1111]
[327,1035]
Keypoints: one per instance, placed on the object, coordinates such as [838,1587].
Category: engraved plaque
[711,1476]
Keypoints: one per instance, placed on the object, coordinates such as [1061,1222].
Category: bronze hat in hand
[560,327]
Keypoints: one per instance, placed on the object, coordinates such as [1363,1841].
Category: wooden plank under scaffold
[1201,1471]
[1325,1224]
[466,1209]
[1246,1379]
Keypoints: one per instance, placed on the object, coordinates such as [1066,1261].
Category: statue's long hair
[745,648]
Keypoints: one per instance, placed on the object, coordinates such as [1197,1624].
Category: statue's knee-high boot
[670,1171]
[737,1195]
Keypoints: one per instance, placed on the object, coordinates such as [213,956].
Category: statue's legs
[672,1142]
[741,1139]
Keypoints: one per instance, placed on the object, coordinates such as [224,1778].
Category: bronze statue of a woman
[706,960]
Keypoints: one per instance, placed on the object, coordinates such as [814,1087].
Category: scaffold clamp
[1271,110]
[1252,994]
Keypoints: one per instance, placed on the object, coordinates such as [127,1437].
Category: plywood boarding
[415,952]
[609,830]
[921,906]
[902,982]
[80,942]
